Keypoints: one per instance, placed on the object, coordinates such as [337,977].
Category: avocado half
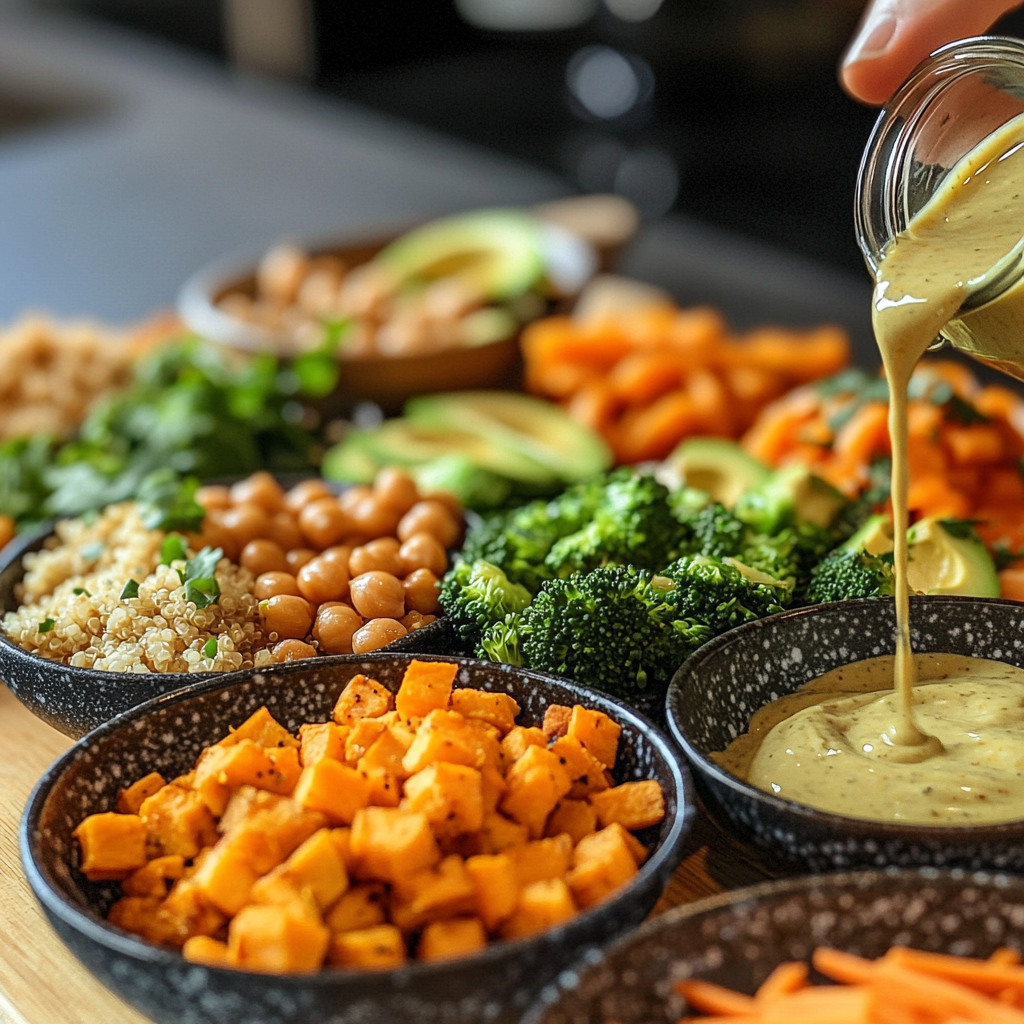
[718,467]
[501,252]
[948,558]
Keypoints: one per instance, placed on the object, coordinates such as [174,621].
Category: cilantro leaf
[168,502]
[210,648]
[130,590]
[173,549]
[199,577]
[46,625]
[81,592]
[962,529]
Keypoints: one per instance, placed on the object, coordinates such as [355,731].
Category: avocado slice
[501,252]
[349,462]
[874,537]
[718,467]
[788,495]
[515,426]
[946,557]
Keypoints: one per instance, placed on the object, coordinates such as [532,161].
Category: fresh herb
[962,412]
[46,625]
[210,648]
[1004,556]
[168,503]
[962,529]
[173,549]
[130,590]
[201,585]
[81,592]
[316,372]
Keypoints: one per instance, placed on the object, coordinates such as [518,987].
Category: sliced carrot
[1005,955]
[840,966]
[998,402]
[930,991]
[865,434]
[711,403]
[642,376]
[652,432]
[1004,487]
[559,378]
[829,1004]
[1011,583]
[790,976]
[704,995]
[595,406]
[956,375]
[978,444]
[984,975]
[932,496]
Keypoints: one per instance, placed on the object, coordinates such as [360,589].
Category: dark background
[740,120]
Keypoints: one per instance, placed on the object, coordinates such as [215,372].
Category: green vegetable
[81,592]
[475,595]
[861,567]
[130,590]
[201,585]
[173,549]
[168,503]
[46,625]
[210,648]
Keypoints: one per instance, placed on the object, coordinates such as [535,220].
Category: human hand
[896,35]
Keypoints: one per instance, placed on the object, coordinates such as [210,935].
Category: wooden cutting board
[42,983]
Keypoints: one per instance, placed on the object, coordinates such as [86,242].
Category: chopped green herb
[90,552]
[199,577]
[81,592]
[962,412]
[46,625]
[210,648]
[168,503]
[962,529]
[130,590]
[1004,556]
[173,549]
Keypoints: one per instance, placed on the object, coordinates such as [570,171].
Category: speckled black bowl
[738,938]
[168,733]
[713,695]
[75,700]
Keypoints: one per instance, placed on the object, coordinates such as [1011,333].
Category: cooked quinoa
[157,631]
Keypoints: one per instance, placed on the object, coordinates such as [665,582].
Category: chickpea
[298,557]
[423,551]
[305,492]
[270,584]
[260,556]
[216,535]
[414,620]
[348,499]
[396,489]
[430,517]
[325,578]
[421,592]
[246,522]
[259,489]
[375,634]
[449,500]
[214,496]
[292,650]
[335,626]
[287,615]
[380,554]
[323,522]
[284,530]
[371,518]
[377,594]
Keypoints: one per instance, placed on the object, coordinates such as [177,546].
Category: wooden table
[41,983]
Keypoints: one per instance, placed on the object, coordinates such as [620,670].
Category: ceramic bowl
[738,938]
[168,733]
[76,700]
[714,694]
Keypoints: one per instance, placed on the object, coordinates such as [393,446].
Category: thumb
[896,35]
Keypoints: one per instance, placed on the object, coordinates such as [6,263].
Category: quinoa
[156,631]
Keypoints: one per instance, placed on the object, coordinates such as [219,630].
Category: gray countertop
[161,161]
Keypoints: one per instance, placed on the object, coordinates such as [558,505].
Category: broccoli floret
[503,641]
[612,628]
[716,593]
[632,524]
[848,573]
[477,594]
[790,555]
[717,533]
[789,496]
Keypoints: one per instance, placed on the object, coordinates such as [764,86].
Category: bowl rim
[834,881]
[688,676]
[666,856]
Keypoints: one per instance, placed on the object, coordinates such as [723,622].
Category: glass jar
[956,97]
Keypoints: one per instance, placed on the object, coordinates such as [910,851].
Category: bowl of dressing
[788,725]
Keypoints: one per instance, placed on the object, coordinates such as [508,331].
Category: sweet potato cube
[287,769]
[389,843]
[265,828]
[597,732]
[443,736]
[316,868]
[363,906]
[380,948]
[225,877]
[264,730]
[533,785]
[635,847]
[602,863]
[184,913]
[387,752]
[430,895]
[499,833]
[135,914]
[585,771]
[362,698]
[497,887]
[221,769]
[362,736]
[541,905]
[545,858]
[154,878]
[516,742]
[446,940]
[556,720]
[426,685]
[178,822]
[342,839]
[633,805]
[497,709]
[334,789]
[277,939]
[112,845]
[450,795]
[492,788]
[384,788]
[488,743]
[201,949]
[326,739]
[130,800]
[576,818]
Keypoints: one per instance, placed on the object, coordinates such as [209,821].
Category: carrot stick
[704,995]
[844,967]
[983,975]
[1004,955]
[930,992]
[788,977]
